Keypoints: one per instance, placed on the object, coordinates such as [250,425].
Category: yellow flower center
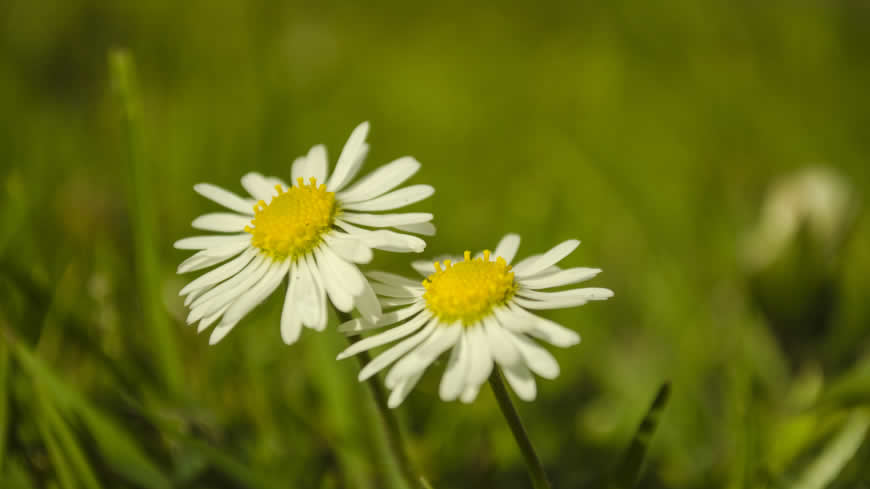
[294,222]
[468,291]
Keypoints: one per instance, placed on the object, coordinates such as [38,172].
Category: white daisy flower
[308,232]
[479,308]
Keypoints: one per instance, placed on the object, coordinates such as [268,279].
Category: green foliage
[650,130]
[628,471]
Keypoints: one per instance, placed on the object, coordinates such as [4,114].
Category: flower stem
[388,419]
[536,470]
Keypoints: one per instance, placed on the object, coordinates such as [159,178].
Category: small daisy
[308,232]
[479,309]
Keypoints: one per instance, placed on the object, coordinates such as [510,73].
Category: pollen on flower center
[468,290]
[295,221]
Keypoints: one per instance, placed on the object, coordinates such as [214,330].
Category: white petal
[229,290]
[298,170]
[341,299]
[562,277]
[384,240]
[349,247]
[227,250]
[367,303]
[360,324]
[521,381]
[586,294]
[529,260]
[396,301]
[386,220]
[398,290]
[401,391]
[556,300]
[254,266]
[220,331]
[350,160]
[427,267]
[306,296]
[317,163]
[469,394]
[507,247]
[392,334]
[256,294]
[225,198]
[393,200]
[424,228]
[195,295]
[539,360]
[480,365]
[277,182]
[397,351]
[424,267]
[197,261]
[395,242]
[526,261]
[207,321]
[323,314]
[223,222]
[348,275]
[550,304]
[249,300]
[206,258]
[513,321]
[392,279]
[203,242]
[543,273]
[552,257]
[415,362]
[503,350]
[291,319]
[381,180]
[259,187]
[221,273]
[453,380]
[549,331]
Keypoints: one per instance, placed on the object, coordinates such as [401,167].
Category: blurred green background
[652,131]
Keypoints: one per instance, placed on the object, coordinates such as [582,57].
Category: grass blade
[4,399]
[117,447]
[62,469]
[141,199]
[825,468]
[76,456]
[628,471]
[224,463]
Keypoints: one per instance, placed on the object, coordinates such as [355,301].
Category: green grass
[649,131]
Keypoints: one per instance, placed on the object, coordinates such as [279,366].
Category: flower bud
[793,255]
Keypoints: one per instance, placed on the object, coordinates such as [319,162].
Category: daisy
[478,307]
[309,233]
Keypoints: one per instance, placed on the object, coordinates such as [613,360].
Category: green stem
[388,418]
[141,198]
[536,469]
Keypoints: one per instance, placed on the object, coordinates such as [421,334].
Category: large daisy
[479,309]
[313,233]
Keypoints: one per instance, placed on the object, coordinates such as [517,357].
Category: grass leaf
[117,447]
[4,399]
[73,451]
[839,451]
[59,463]
[141,201]
[628,471]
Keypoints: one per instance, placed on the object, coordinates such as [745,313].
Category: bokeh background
[673,138]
